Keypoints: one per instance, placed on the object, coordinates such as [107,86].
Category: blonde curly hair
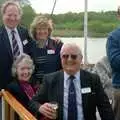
[41,21]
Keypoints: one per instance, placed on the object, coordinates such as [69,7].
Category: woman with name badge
[47,51]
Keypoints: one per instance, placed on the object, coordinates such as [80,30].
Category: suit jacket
[6,57]
[52,90]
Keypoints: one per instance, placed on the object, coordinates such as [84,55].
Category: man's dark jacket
[53,90]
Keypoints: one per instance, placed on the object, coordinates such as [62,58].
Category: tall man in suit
[76,91]
[11,15]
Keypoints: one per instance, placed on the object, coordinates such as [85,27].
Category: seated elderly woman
[21,87]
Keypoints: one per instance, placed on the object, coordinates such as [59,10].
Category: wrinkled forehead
[11,8]
[70,49]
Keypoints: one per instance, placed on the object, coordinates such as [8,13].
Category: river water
[96,47]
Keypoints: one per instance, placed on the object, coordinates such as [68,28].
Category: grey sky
[63,6]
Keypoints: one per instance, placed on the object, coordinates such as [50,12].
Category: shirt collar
[66,76]
[9,30]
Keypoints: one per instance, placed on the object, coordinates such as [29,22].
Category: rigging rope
[53,7]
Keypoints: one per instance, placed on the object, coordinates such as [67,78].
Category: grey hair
[11,2]
[72,46]
[22,58]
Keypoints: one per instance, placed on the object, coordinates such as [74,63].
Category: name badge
[25,42]
[50,51]
[86,90]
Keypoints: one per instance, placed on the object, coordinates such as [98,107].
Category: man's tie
[72,104]
[16,50]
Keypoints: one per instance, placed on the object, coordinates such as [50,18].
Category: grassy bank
[67,33]
[76,33]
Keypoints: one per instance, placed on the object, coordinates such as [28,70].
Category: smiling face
[24,71]
[71,58]
[11,16]
[41,32]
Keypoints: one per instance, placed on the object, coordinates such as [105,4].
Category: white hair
[22,58]
[72,46]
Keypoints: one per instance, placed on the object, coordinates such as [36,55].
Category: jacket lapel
[24,37]
[61,94]
[84,84]
[20,34]
[6,41]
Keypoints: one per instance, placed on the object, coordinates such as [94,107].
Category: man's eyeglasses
[72,56]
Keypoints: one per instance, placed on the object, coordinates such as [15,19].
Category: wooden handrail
[17,106]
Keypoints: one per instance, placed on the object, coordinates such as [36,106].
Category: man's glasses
[72,56]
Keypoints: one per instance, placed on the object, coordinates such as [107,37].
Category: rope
[53,7]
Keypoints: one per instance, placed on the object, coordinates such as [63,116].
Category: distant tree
[23,2]
[1,1]
[28,15]
[99,23]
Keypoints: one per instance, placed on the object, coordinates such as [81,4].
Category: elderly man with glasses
[76,92]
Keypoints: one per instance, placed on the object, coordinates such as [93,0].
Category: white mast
[85,31]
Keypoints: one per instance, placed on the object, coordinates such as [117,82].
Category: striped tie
[16,50]
[72,104]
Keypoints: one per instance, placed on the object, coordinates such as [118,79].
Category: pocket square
[25,42]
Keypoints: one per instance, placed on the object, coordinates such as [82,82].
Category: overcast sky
[63,6]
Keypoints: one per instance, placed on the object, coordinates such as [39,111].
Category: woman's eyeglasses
[72,56]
